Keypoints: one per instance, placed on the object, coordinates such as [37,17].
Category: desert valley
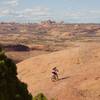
[73,48]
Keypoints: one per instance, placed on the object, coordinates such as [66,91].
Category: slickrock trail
[79,73]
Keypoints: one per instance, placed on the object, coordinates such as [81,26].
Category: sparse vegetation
[40,96]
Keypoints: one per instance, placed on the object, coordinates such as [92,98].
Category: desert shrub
[11,88]
[40,96]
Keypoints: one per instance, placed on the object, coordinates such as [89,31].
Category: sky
[69,11]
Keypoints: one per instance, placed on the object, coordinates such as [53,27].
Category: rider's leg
[56,76]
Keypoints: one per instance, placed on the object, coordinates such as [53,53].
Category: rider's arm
[57,70]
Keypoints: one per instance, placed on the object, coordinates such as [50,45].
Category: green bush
[11,88]
[40,96]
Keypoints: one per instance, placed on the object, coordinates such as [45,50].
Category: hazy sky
[74,11]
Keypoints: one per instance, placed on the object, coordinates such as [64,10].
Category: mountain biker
[55,72]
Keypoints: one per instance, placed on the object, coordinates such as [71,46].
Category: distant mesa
[48,22]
